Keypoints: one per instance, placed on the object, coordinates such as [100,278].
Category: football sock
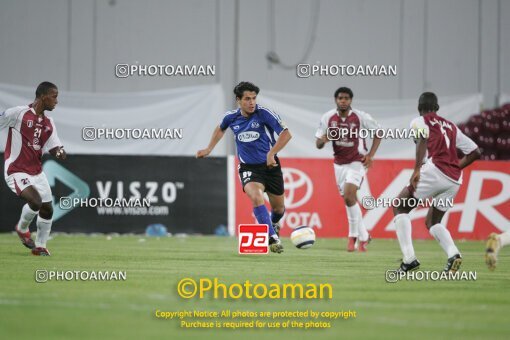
[404,235]
[504,238]
[354,218]
[275,217]
[43,231]
[442,235]
[27,215]
[262,216]
[362,230]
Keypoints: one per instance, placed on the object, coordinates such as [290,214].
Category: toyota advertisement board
[481,206]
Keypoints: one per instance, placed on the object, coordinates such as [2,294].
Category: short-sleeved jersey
[443,140]
[29,135]
[255,135]
[348,149]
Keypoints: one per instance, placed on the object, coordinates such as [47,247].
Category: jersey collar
[31,109]
[338,113]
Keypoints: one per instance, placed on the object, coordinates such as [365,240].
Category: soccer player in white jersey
[438,175]
[494,245]
[351,158]
[30,133]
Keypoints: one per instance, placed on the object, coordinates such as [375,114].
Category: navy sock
[262,216]
[275,217]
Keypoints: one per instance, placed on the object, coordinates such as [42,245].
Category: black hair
[245,86]
[44,88]
[428,102]
[344,90]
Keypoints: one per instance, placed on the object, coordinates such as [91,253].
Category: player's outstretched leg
[494,244]
[44,221]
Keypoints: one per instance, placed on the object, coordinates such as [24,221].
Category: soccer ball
[303,237]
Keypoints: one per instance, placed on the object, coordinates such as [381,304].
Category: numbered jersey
[29,135]
[444,138]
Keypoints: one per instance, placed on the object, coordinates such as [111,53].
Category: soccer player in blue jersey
[260,134]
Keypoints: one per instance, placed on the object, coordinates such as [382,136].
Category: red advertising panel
[481,206]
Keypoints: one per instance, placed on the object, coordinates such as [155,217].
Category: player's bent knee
[46,211]
[279,209]
[256,196]
[35,204]
[350,200]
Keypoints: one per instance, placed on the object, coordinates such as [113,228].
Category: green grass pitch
[125,309]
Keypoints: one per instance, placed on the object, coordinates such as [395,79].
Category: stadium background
[459,49]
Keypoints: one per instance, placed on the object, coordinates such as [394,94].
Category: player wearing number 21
[30,133]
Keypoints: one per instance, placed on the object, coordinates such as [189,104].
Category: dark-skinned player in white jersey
[31,133]
[438,175]
[260,134]
[351,159]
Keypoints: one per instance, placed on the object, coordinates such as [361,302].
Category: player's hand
[59,153]
[324,140]
[415,178]
[271,162]
[367,161]
[203,153]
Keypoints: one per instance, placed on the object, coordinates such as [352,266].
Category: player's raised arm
[215,138]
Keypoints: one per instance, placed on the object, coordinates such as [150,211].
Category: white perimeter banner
[302,115]
[195,110]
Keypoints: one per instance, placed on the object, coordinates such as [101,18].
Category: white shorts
[349,173]
[434,184]
[19,181]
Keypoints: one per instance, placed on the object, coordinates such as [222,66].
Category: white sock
[27,216]
[404,234]
[363,233]
[354,217]
[442,235]
[504,238]
[43,231]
